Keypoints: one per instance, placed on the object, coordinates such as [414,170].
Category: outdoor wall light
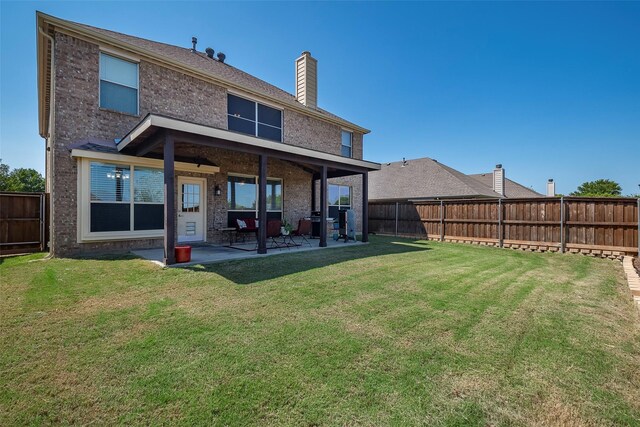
[217,190]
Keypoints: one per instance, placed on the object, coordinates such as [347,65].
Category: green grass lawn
[397,332]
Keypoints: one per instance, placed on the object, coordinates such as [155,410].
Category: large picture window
[253,118]
[125,198]
[118,84]
[339,197]
[242,193]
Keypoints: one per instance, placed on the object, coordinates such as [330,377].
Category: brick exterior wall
[166,92]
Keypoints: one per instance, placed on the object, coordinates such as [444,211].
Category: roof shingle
[426,178]
[203,63]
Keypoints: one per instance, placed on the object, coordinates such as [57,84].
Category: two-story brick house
[126,118]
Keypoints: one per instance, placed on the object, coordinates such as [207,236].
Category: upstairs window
[253,118]
[347,143]
[118,84]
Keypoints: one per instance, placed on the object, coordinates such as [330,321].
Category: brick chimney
[551,188]
[307,80]
[498,180]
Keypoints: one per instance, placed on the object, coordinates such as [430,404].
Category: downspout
[49,157]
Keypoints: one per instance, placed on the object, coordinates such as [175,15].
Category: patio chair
[303,230]
[273,233]
[245,226]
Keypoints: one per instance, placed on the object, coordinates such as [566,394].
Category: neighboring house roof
[426,178]
[423,178]
[198,62]
[511,188]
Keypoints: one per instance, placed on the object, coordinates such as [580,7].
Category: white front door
[192,205]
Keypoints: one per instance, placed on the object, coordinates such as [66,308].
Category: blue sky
[550,90]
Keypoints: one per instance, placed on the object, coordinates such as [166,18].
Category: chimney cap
[550,179]
[499,166]
[306,52]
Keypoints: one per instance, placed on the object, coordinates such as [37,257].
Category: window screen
[346,144]
[118,84]
[148,196]
[148,185]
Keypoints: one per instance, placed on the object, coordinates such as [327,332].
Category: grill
[316,220]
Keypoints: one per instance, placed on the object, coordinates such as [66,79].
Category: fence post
[638,227]
[562,236]
[441,220]
[500,233]
[396,219]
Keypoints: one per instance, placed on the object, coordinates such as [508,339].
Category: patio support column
[365,207]
[262,204]
[169,201]
[313,194]
[323,207]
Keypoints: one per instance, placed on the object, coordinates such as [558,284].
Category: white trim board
[142,161]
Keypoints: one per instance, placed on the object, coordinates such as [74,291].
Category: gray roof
[423,178]
[511,188]
[426,178]
[200,61]
[109,146]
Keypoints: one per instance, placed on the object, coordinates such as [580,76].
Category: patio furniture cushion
[246,225]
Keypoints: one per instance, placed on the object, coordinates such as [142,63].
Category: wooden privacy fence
[599,226]
[23,222]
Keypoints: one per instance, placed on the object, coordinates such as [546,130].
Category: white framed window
[125,198]
[111,185]
[118,84]
[347,144]
[340,196]
[252,118]
[242,193]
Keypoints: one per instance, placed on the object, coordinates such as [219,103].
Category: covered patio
[207,254]
[159,135]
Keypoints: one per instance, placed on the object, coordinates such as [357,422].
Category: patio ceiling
[149,135]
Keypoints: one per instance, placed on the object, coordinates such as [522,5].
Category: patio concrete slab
[208,254]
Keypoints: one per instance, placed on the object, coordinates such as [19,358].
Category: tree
[4,176]
[599,188]
[21,179]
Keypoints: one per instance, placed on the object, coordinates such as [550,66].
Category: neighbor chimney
[498,180]
[551,188]
[307,80]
